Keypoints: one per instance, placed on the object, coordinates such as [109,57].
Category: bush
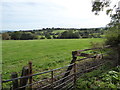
[109,79]
[54,37]
[5,36]
[42,37]
[97,44]
[69,35]
[47,36]
[113,37]
[35,36]
[27,36]
[16,35]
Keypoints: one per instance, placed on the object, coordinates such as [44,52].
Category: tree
[69,34]
[16,35]
[113,34]
[5,36]
[27,36]
[54,37]
[42,37]
[114,25]
[47,35]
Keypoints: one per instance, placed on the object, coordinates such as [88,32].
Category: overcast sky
[35,14]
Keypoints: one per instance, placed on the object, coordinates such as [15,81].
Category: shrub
[47,36]
[113,37]
[27,36]
[5,36]
[42,37]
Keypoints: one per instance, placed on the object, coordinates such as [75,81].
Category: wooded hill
[54,33]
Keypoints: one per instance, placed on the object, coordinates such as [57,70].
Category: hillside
[55,33]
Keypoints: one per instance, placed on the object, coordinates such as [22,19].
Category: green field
[45,54]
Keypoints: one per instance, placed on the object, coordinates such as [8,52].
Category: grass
[45,54]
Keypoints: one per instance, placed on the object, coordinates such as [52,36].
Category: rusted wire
[36,74]
[63,83]
[72,82]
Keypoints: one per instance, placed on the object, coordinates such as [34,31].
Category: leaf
[108,11]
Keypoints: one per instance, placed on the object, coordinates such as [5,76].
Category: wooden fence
[63,78]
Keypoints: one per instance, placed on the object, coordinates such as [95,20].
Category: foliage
[113,35]
[97,44]
[47,35]
[42,37]
[54,37]
[99,5]
[16,35]
[99,79]
[69,34]
[5,36]
[57,33]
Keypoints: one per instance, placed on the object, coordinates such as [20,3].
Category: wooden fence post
[30,73]
[14,82]
[75,76]
[52,80]
[23,81]
[74,57]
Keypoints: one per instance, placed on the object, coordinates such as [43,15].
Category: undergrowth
[105,77]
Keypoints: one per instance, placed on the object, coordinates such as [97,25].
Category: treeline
[54,33]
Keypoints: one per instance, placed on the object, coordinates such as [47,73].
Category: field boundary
[60,78]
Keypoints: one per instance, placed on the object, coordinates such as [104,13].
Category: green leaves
[110,79]
[109,11]
[99,6]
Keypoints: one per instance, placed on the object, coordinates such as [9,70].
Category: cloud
[26,14]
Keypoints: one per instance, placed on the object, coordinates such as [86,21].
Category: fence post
[30,73]
[23,81]
[70,67]
[75,76]
[15,82]
[52,79]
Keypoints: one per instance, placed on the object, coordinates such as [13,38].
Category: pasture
[45,54]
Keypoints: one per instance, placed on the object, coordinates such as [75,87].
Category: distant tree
[69,35]
[42,37]
[47,35]
[5,36]
[77,35]
[59,35]
[64,35]
[54,37]
[16,35]
[27,36]
[35,36]
[53,28]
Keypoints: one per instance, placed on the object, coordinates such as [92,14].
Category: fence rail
[60,78]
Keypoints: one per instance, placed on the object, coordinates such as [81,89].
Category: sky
[37,14]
